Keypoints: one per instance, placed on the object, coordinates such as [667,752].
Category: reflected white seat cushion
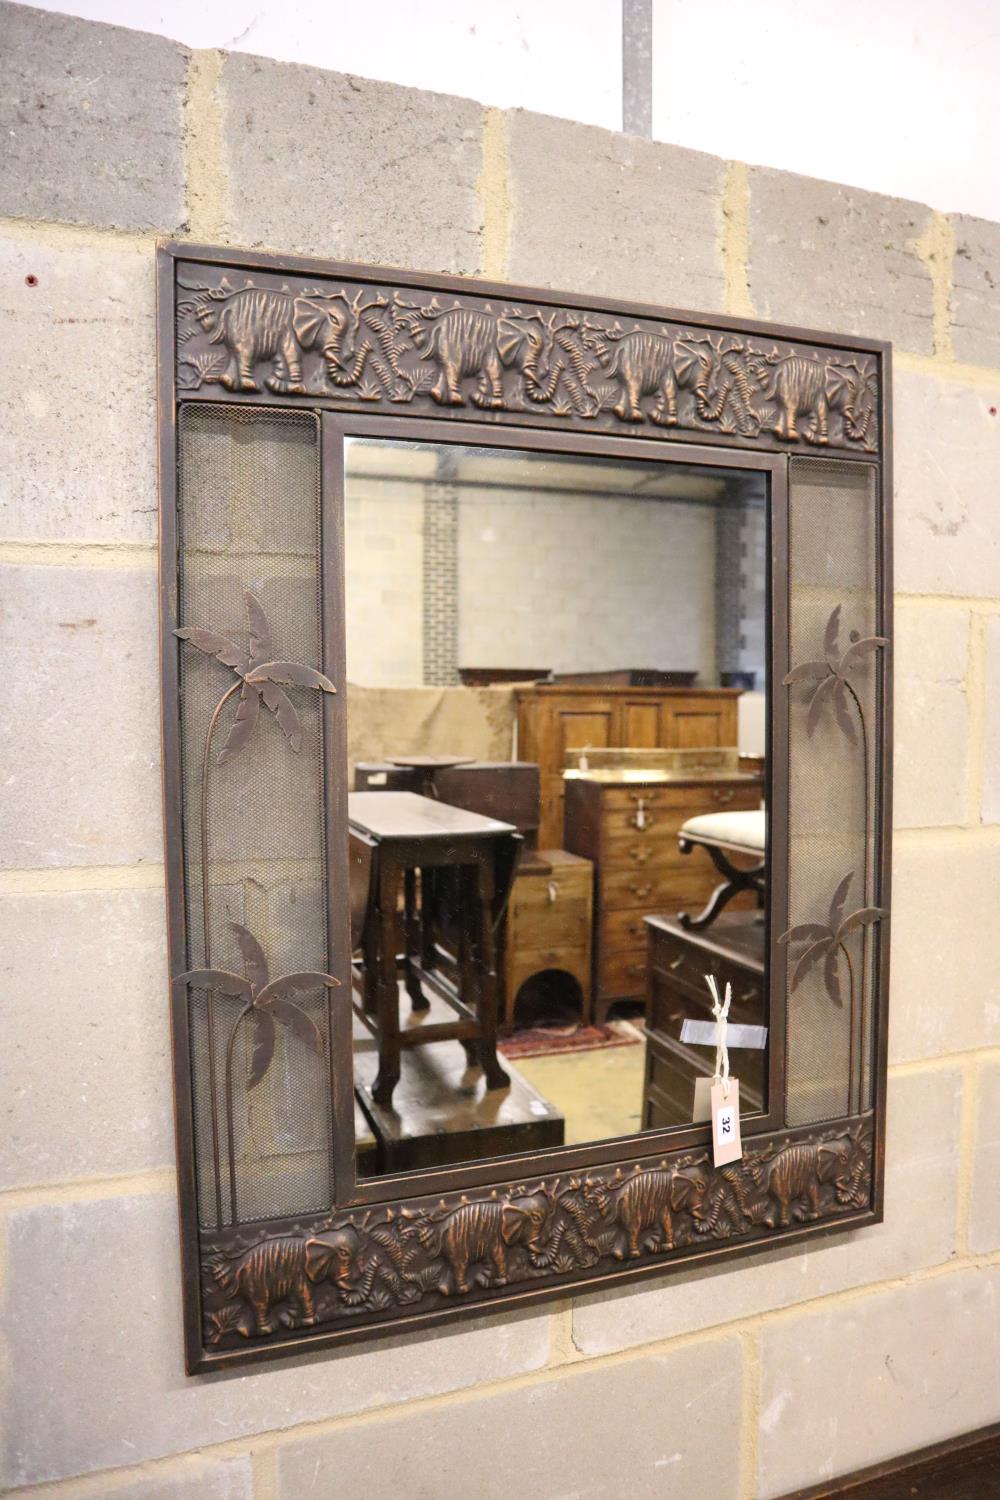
[734,830]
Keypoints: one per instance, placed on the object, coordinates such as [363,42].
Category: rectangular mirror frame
[403,1241]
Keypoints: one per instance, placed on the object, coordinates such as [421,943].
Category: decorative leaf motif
[827,941]
[244,724]
[812,955]
[217,979]
[214,644]
[292,672]
[803,931]
[253,955]
[263,1046]
[833,686]
[296,984]
[260,630]
[808,671]
[839,897]
[263,675]
[302,1025]
[819,697]
[861,648]
[863,917]
[280,705]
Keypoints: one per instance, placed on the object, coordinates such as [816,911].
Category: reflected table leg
[385,983]
[482,888]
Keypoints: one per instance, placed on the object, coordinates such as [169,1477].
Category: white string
[720,1010]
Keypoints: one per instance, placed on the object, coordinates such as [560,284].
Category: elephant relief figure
[569,1241]
[639,1204]
[550,351]
[360,1266]
[718,1202]
[799,385]
[798,1173]
[272,1272]
[352,335]
[478,1233]
[723,387]
[461,342]
[252,324]
[853,389]
[643,365]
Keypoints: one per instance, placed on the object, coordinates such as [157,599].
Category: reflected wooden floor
[443,1112]
[598,1093]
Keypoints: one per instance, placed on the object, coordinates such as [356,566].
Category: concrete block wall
[735,1385]
[384,584]
[527,591]
[580,584]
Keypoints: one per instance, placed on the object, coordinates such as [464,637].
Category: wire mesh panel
[836,650]
[249,597]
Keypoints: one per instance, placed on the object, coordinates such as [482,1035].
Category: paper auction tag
[702,1099]
[726,1143]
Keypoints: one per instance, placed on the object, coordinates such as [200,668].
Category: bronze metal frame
[402,1237]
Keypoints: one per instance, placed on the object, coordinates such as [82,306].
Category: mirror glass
[557,700]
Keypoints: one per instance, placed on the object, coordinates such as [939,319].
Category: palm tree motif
[830,674]
[258,680]
[265,1001]
[827,941]
[258,676]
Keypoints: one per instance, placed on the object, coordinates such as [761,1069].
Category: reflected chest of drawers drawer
[733,950]
[628,826]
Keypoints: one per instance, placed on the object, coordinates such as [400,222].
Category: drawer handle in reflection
[640,891]
[639,854]
[724,796]
[637,969]
[642,820]
[675,963]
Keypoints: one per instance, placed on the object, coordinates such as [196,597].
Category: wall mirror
[531,577]
[525,663]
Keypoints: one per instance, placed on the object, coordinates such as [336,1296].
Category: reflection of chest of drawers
[554,719]
[733,950]
[549,924]
[628,824]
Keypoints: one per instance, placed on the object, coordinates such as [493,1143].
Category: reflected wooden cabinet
[556,718]
[629,829]
[549,925]
[733,950]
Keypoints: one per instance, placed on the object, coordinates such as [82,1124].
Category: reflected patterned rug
[547,1041]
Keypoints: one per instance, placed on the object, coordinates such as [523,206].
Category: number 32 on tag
[726,1143]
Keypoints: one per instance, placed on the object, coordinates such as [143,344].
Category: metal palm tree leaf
[259,678]
[826,941]
[266,1000]
[830,673]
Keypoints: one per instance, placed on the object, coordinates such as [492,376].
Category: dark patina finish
[372,353]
